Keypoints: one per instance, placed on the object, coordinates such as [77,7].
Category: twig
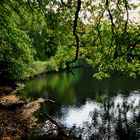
[65,4]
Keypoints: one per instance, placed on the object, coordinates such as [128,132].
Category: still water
[91,109]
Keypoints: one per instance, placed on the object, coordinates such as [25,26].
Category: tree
[101,33]
[114,44]
[116,39]
[16,50]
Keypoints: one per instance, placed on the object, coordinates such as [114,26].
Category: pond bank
[17,119]
[76,106]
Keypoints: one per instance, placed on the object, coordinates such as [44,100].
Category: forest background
[38,36]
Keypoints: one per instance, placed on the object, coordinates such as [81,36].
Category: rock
[10,102]
[9,99]
[29,109]
[7,138]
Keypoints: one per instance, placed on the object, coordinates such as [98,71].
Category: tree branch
[126,22]
[63,3]
[98,29]
[75,34]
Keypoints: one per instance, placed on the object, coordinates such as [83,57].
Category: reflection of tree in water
[117,125]
[113,121]
[116,118]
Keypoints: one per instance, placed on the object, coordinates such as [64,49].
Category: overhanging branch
[75,34]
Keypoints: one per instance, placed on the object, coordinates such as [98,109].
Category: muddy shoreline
[17,119]
[16,115]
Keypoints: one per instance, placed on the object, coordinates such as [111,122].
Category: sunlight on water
[77,116]
[92,116]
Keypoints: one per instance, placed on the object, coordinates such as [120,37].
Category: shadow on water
[88,108]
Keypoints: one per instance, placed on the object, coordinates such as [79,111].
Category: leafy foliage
[56,32]
[16,47]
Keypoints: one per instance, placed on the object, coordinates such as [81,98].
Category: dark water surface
[92,109]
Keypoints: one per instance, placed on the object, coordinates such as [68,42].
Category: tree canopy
[57,34]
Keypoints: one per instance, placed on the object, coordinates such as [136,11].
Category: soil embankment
[16,115]
[18,122]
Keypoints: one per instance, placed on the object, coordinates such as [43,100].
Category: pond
[89,108]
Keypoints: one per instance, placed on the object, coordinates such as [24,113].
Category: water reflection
[77,116]
[58,87]
[90,109]
[113,119]
[68,89]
